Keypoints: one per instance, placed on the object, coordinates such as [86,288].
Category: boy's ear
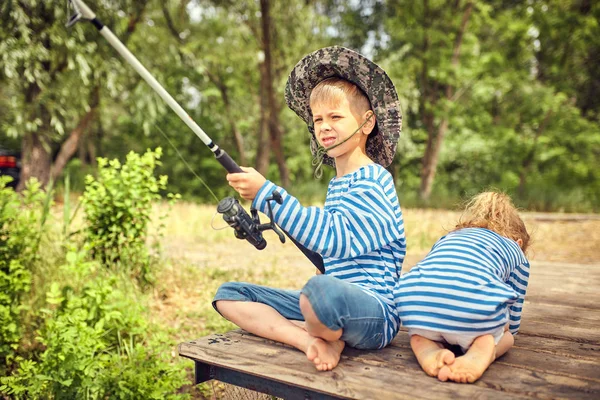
[370,124]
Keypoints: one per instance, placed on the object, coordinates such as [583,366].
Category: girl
[468,291]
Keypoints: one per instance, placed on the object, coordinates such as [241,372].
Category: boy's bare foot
[325,355]
[469,367]
[432,356]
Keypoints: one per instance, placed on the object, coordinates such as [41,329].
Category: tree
[433,36]
[42,62]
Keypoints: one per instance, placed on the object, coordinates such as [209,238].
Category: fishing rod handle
[227,162]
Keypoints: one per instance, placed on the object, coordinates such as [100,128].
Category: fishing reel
[247,227]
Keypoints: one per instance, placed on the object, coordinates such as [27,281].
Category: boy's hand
[248,183]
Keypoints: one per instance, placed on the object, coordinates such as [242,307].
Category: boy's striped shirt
[472,281]
[359,232]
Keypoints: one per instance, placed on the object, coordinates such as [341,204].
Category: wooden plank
[355,377]
[544,267]
[574,285]
[556,354]
[554,346]
[557,331]
[561,281]
[394,372]
[564,296]
[562,313]
[586,301]
[528,354]
[536,361]
[265,385]
[565,348]
[558,375]
[507,378]
[581,325]
[538,384]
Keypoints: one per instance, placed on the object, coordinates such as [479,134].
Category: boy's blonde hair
[496,212]
[332,90]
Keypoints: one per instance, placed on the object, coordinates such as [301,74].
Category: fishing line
[186,163]
[246,227]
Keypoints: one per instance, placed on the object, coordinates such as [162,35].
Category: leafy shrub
[95,342]
[118,206]
[21,223]
[84,332]
[140,373]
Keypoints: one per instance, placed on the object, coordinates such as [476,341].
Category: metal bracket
[203,372]
[80,11]
[75,16]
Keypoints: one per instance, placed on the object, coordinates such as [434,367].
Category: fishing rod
[82,11]
[245,226]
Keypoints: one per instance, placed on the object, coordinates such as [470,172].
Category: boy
[352,112]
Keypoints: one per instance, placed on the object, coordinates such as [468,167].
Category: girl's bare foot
[470,367]
[325,355]
[432,356]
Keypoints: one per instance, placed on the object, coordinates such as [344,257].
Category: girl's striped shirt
[359,232]
[472,281]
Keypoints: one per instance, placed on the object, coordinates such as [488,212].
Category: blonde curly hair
[495,211]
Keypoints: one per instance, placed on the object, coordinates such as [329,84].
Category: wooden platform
[556,354]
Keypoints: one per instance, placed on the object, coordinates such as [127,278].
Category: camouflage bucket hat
[368,76]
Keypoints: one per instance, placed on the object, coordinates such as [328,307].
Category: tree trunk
[70,146]
[275,131]
[431,158]
[264,145]
[276,141]
[36,159]
[436,137]
[82,148]
[237,136]
[35,149]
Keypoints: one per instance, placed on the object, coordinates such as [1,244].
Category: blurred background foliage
[500,94]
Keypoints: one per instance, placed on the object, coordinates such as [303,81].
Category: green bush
[118,207]
[96,343]
[71,328]
[21,224]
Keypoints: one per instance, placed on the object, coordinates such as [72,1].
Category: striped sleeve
[518,280]
[361,223]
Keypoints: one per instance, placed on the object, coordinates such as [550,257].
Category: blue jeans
[337,304]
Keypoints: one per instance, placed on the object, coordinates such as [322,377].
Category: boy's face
[333,123]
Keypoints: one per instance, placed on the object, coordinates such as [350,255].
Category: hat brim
[368,76]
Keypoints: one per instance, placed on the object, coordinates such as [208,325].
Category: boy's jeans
[337,304]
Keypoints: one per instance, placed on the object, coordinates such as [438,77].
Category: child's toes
[447,358]
[444,374]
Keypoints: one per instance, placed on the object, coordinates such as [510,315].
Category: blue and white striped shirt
[473,281]
[359,232]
